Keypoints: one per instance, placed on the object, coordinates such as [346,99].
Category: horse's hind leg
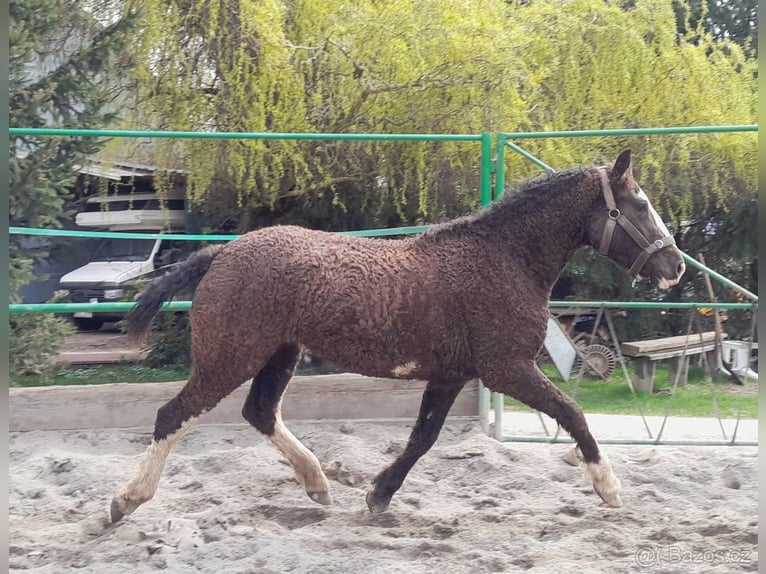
[173,420]
[524,381]
[263,410]
[436,403]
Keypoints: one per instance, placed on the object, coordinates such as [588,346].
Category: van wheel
[88,323]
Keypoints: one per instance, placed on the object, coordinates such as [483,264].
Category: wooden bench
[646,354]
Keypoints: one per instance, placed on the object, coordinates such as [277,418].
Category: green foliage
[32,341]
[169,341]
[63,64]
[304,66]
[606,65]
[735,20]
[600,67]
[63,69]
[442,67]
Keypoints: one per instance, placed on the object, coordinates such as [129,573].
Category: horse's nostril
[681,268]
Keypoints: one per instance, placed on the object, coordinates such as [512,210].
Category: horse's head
[627,229]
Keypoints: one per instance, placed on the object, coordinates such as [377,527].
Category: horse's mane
[518,201]
[531,192]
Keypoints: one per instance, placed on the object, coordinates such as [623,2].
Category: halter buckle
[614,214]
[659,243]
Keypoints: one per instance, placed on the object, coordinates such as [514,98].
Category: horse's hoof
[612,499]
[321,497]
[376,506]
[605,483]
[115,512]
[572,457]
[609,491]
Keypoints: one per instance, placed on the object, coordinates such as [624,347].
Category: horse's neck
[544,240]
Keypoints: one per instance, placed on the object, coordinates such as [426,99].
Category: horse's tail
[185,274]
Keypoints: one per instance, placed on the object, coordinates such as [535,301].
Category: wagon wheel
[601,362]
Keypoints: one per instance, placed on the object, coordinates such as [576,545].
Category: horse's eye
[643,207]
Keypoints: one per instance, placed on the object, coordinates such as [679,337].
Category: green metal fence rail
[504,139]
[183,237]
[72,132]
[15,308]
[485,139]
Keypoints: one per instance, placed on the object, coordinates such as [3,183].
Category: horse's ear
[622,166]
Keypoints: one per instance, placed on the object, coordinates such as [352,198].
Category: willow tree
[64,69]
[433,67]
[350,67]
[601,65]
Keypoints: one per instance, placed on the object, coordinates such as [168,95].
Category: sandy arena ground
[227,503]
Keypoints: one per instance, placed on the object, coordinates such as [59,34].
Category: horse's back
[306,260]
[371,305]
[316,275]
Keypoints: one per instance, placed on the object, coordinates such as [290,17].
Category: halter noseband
[614,216]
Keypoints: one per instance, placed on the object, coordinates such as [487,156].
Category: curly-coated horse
[467,299]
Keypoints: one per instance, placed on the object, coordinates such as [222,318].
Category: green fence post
[500,166]
[486,169]
[485,199]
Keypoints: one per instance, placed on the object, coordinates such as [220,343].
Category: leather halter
[615,217]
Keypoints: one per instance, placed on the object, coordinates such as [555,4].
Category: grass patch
[100,374]
[613,396]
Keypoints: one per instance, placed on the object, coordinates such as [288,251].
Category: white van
[118,266]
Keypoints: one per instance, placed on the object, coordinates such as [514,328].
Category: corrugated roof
[113,172]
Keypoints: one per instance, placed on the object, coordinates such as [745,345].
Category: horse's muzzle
[665,283]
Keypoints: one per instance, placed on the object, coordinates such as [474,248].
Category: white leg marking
[144,484]
[308,471]
[605,482]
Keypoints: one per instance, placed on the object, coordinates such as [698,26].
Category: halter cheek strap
[615,217]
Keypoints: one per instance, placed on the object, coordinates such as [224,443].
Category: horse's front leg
[437,401]
[524,381]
